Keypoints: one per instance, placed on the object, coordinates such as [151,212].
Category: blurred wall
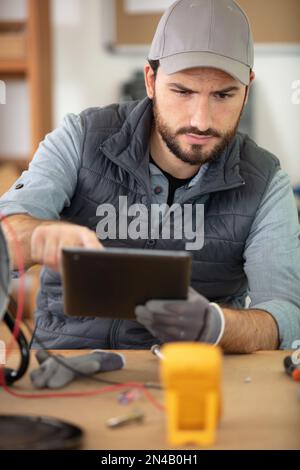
[85,74]
[277,104]
[14,115]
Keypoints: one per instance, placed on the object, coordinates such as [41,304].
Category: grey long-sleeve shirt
[272,250]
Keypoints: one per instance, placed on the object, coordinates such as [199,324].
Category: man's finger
[37,244]
[89,239]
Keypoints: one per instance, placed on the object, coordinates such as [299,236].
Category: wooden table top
[260,404]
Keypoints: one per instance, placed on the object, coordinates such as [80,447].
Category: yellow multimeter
[191,375]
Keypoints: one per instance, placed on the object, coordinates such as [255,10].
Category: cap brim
[188,60]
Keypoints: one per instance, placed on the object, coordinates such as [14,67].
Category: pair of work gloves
[194,319]
[57,371]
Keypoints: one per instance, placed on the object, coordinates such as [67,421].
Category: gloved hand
[194,319]
[53,374]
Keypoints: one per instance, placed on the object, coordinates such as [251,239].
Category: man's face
[196,112]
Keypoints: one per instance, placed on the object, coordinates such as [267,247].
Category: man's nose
[201,115]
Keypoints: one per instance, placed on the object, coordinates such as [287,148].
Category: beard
[196,155]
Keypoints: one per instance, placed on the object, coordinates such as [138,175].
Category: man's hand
[194,319]
[47,242]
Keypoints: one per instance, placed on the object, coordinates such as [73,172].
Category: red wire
[110,388]
[19,316]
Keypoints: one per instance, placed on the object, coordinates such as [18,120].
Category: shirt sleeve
[272,259]
[48,185]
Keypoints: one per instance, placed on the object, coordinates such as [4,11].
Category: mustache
[194,130]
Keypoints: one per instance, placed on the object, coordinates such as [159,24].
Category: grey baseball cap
[204,33]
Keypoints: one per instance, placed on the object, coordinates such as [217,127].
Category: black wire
[4,285]
[82,374]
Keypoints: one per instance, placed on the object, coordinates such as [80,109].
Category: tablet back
[111,282]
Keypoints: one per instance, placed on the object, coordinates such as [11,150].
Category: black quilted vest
[115,162]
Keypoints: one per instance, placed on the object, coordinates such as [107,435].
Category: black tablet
[112,281]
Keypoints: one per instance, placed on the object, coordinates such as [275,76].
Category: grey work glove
[194,319]
[52,374]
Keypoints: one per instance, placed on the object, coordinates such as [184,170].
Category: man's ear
[149,81]
[252,77]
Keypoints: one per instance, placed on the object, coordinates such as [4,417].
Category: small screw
[134,416]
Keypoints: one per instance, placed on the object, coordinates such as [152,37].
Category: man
[179,145]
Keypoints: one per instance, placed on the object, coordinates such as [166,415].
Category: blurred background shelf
[12,41]
[11,68]
[25,54]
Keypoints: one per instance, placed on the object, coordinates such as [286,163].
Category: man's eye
[223,96]
[182,92]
